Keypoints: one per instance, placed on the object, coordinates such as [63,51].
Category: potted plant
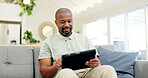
[26,7]
[28,37]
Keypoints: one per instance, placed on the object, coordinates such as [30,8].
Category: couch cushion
[3,71]
[124,75]
[3,55]
[3,59]
[123,62]
[20,71]
[21,58]
[17,62]
[20,55]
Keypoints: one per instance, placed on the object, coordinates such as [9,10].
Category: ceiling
[83,7]
[77,6]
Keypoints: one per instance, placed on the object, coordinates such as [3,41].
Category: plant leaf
[26,8]
[21,14]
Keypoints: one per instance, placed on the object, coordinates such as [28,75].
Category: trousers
[104,71]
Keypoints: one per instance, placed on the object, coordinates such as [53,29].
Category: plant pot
[27,41]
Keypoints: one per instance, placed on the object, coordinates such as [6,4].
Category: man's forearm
[48,72]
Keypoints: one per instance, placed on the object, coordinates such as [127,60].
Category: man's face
[64,23]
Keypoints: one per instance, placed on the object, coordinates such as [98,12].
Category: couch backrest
[110,47]
[16,62]
[37,64]
[141,67]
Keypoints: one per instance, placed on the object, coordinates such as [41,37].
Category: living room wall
[42,13]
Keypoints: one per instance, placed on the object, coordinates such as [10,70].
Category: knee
[109,70]
[106,68]
[67,71]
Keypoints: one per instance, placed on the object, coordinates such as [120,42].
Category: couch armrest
[36,62]
[141,69]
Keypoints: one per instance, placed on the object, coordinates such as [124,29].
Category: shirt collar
[66,38]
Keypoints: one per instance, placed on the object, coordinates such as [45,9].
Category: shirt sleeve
[44,51]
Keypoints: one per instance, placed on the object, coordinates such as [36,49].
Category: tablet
[77,60]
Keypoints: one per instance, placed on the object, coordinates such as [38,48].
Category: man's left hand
[93,62]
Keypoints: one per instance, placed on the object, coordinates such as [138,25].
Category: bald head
[62,10]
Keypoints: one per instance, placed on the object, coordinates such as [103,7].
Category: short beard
[66,34]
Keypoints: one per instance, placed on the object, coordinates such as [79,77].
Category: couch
[21,62]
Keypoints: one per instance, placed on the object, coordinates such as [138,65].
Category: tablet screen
[77,60]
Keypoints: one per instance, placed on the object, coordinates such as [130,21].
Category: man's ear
[55,22]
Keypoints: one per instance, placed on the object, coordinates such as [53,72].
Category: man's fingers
[59,63]
[92,65]
[94,60]
[57,66]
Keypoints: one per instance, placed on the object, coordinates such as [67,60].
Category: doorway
[10,32]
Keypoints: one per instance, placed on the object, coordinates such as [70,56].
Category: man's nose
[66,24]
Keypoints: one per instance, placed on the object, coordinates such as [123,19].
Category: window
[97,32]
[117,31]
[137,33]
[127,31]
[102,32]
[91,30]
[130,37]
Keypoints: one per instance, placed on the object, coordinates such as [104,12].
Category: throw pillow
[123,62]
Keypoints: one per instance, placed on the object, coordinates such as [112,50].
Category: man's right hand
[47,69]
[58,63]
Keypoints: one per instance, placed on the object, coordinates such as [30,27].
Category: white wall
[9,12]
[42,13]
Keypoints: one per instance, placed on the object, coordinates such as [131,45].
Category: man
[66,41]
